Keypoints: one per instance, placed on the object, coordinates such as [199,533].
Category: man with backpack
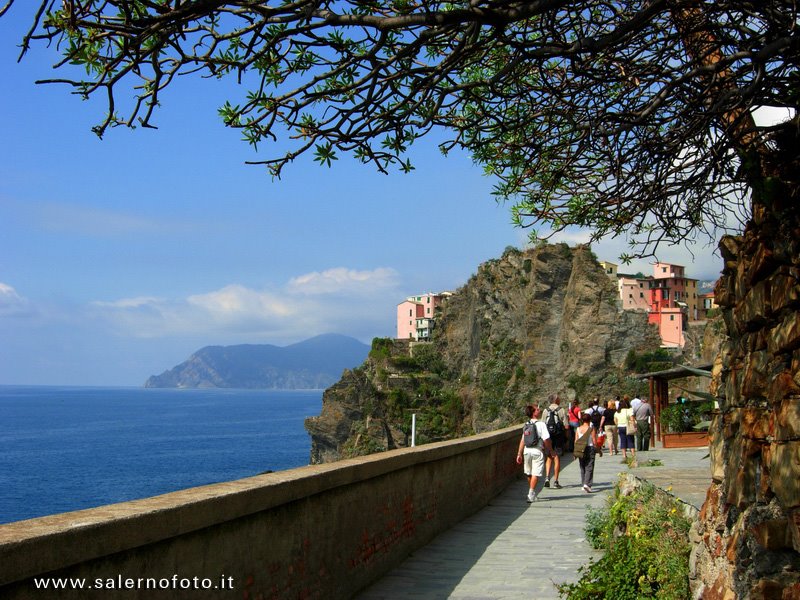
[595,412]
[557,423]
[533,446]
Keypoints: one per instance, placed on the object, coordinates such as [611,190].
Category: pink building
[670,323]
[669,298]
[676,290]
[634,292]
[415,316]
[673,302]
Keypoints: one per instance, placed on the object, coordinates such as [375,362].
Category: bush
[677,418]
[595,522]
[428,358]
[381,349]
[578,383]
[646,542]
[404,363]
[657,360]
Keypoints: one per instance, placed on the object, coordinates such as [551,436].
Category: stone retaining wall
[750,523]
[324,531]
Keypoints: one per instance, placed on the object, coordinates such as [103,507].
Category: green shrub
[595,522]
[428,358]
[381,349]
[645,538]
[677,418]
[404,363]
[658,360]
[578,383]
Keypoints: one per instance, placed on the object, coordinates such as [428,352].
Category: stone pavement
[514,550]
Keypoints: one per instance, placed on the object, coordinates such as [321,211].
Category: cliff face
[526,325]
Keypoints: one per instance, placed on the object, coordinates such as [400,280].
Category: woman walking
[621,418]
[611,427]
[574,416]
[585,447]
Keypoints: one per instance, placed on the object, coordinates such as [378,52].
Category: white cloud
[343,281]
[307,305]
[142,301]
[235,301]
[11,303]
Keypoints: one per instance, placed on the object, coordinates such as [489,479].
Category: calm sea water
[68,448]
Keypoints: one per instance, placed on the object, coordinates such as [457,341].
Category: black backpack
[530,434]
[596,417]
[555,427]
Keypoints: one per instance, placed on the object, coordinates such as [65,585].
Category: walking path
[512,550]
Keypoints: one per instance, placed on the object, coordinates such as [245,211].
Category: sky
[121,257]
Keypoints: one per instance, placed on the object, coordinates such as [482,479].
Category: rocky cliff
[526,325]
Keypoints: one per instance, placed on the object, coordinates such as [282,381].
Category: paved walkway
[514,550]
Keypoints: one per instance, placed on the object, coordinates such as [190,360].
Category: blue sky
[121,257]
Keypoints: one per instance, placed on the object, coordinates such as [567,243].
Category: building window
[672,317]
[663,269]
[641,294]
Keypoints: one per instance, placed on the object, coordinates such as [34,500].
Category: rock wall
[748,536]
[524,326]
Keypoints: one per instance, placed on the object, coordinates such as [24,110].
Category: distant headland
[315,363]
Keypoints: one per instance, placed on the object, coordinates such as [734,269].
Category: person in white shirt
[533,457]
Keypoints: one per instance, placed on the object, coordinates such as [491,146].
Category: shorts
[533,463]
[625,441]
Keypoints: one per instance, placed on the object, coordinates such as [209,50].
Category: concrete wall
[324,531]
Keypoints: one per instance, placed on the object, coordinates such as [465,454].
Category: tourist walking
[557,423]
[533,446]
[623,417]
[643,413]
[585,447]
[574,416]
[595,412]
[610,427]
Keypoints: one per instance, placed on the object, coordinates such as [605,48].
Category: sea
[70,448]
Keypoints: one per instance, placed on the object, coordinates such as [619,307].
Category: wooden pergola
[659,387]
